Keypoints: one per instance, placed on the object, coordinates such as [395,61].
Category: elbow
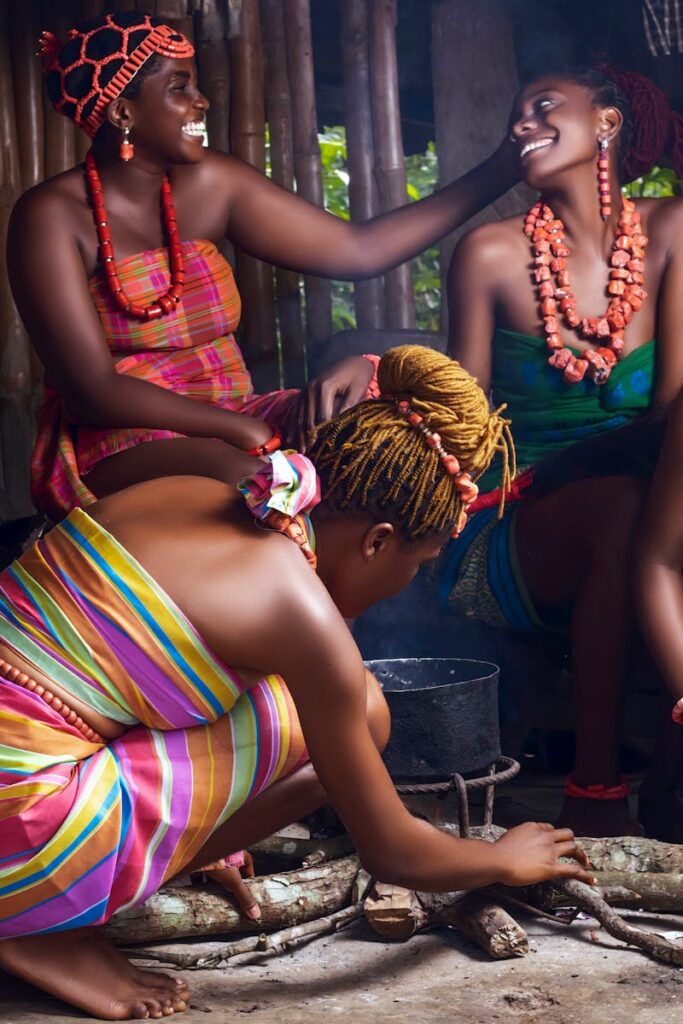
[385,869]
[94,407]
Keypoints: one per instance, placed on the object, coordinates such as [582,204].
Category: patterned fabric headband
[95,64]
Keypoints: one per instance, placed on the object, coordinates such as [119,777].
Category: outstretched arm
[275,225]
[325,675]
[659,567]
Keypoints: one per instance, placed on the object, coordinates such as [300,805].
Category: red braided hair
[657,129]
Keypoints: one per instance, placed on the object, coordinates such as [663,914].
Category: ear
[120,113]
[610,122]
[376,540]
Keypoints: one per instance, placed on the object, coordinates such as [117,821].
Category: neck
[575,203]
[138,178]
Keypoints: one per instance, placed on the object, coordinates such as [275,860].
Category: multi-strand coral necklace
[556,298]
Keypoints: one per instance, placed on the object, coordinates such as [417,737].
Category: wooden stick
[286,899]
[307,164]
[654,891]
[592,903]
[485,923]
[396,914]
[634,853]
[279,115]
[278,942]
[368,296]
[389,159]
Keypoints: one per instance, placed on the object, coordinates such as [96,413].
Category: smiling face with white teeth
[556,124]
[167,118]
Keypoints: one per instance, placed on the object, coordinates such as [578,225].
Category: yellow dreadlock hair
[370,460]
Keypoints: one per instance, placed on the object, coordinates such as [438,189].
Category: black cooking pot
[444,716]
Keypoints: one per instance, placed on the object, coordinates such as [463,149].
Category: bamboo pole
[177,13]
[368,296]
[467,129]
[213,69]
[390,166]
[307,165]
[15,370]
[247,136]
[60,133]
[86,10]
[25,27]
[279,116]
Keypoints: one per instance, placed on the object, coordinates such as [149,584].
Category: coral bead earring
[126,148]
[603,180]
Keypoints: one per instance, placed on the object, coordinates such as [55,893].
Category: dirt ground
[572,975]
[568,977]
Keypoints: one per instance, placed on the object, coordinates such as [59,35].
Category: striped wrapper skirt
[89,829]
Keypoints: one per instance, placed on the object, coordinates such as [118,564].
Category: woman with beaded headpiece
[145,723]
[127,299]
[571,314]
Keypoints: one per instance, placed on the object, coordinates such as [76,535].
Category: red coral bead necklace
[625,287]
[166,302]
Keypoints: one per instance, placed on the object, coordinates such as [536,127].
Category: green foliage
[422,173]
[658,183]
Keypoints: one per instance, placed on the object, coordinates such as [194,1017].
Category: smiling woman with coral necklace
[133,313]
[556,312]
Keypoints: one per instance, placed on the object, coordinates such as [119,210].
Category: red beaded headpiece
[81,109]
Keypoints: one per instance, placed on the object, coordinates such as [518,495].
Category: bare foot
[598,818]
[83,968]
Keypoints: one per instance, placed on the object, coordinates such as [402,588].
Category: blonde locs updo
[371,461]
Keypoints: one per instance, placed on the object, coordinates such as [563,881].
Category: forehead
[556,85]
[171,67]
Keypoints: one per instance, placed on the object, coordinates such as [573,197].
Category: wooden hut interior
[397,74]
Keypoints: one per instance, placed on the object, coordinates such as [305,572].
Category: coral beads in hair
[372,461]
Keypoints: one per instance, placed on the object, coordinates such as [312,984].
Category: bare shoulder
[61,198]
[489,248]
[663,220]
[216,171]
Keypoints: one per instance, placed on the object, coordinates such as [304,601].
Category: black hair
[604,93]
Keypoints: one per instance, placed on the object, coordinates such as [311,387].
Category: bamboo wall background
[255,63]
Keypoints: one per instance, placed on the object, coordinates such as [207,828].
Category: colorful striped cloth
[287,483]
[91,829]
[192,351]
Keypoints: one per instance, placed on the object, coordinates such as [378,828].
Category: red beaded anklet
[598,791]
[15,675]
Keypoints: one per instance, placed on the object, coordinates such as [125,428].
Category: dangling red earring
[126,148]
[603,180]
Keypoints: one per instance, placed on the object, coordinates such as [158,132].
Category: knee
[379,716]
